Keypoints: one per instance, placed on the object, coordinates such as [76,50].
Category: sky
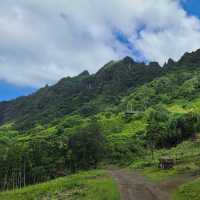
[44,41]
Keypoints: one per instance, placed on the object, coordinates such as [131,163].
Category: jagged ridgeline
[84,94]
[88,94]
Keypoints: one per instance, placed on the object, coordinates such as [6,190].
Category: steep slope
[85,94]
[88,94]
[180,85]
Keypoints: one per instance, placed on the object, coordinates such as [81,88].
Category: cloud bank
[43,41]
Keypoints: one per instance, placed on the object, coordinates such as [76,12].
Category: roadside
[135,187]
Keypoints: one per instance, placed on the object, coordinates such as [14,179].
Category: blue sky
[77,37]
[10,91]
[192,7]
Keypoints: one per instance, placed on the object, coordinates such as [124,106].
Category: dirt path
[135,187]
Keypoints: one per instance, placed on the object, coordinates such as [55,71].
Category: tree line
[42,159]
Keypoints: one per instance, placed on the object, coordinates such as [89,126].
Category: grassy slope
[188,191]
[187,155]
[83,186]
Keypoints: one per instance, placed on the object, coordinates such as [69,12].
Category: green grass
[187,156]
[176,108]
[93,185]
[184,106]
[188,191]
[156,175]
[133,127]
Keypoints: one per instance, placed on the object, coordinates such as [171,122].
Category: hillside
[83,186]
[84,94]
[120,115]
[88,94]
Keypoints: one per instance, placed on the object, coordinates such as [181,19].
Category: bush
[166,130]
[86,147]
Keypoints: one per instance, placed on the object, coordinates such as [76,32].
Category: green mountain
[85,94]
[88,94]
[116,116]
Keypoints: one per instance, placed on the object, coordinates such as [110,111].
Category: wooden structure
[166,163]
[129,111]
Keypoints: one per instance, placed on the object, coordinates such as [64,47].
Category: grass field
[187,155]
[188,191]
[93,185]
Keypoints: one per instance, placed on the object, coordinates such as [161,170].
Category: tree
[158,126]
[188,124]
[86,147]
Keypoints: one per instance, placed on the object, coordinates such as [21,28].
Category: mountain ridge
[88,93]
[78,93]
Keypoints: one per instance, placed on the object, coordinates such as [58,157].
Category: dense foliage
[32,160]
[167,130]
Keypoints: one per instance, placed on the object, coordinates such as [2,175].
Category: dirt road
[135,187]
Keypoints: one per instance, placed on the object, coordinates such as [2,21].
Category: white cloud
[42,41]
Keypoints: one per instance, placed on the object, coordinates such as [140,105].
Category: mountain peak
[154,64]
[190,59]
[170,61]
[128,59]
[84,73]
